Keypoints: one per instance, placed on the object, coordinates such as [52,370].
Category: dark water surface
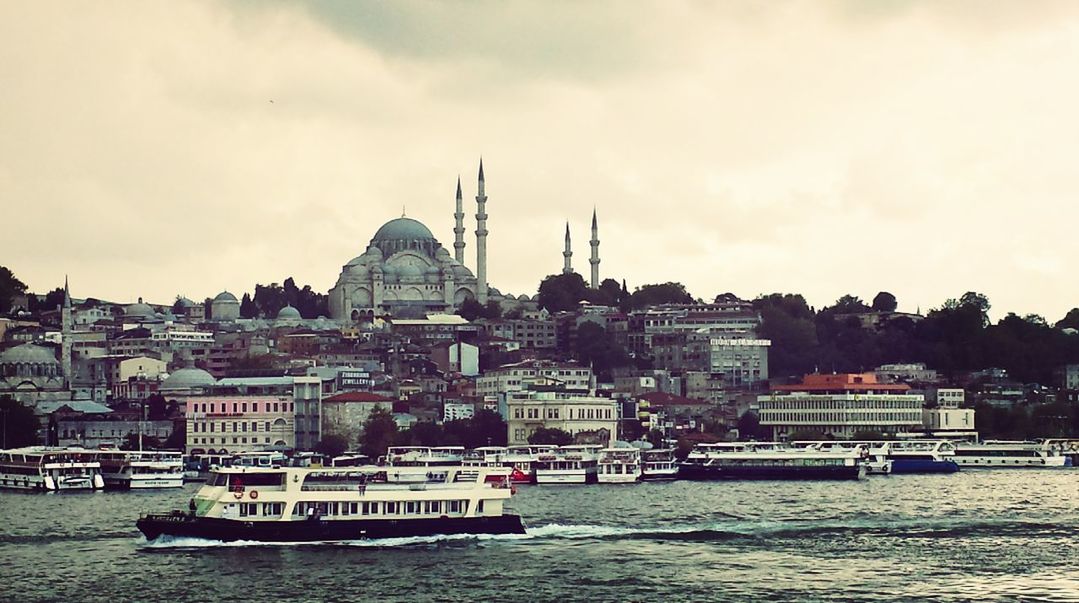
[971,536]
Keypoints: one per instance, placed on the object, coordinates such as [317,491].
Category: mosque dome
[288,313]
[139,310]
[403,229]
[409,270]
[225,296]
[28,353]
[188,378]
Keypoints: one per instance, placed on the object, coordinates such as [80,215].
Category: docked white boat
[619,466]
[875,459]
[769,460]
[993,454]
[293,504]
[568,465]
[132,469]
[49,468]
[659,464]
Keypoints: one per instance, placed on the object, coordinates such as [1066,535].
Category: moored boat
[48,468]
[770,461]
[134,469]
[568,465]
[618,466]
[291,504]
[1010,455]
[659,464]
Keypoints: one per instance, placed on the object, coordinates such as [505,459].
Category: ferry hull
[900,466]
[713,472]
[977,462]
[318,530]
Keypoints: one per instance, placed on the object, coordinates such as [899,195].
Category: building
[457,357]
[224,423]
[840,406]
[344,414]
[405,270]
[497,383]
[905,373]
[951,397]
[589,419]
[456,411]
[942,421]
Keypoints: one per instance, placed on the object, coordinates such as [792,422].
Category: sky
[151,149]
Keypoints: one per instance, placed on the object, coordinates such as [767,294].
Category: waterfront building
[589,419]
[503,380]
[840,406]
[224,423]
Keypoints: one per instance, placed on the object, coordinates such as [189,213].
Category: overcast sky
[925,148]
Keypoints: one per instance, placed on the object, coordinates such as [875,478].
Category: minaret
[459,227]
[65,336]
[567,266]
[595,251]
[481,241]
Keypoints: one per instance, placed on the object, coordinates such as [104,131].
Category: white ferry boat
[131,469]
[295,504]
[1008,455]
[748,460]
[568,465]
[659,464]
[49,468]
[619,466]
[916,456]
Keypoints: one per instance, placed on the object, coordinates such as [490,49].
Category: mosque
[406,272]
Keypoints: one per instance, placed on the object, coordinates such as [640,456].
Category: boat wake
[737,530]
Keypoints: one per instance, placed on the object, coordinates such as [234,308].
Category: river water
[970,536]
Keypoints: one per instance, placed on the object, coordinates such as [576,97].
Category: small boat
[916,456]
[749,460]
[619,466]
[299,504]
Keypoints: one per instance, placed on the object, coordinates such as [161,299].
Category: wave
[736,530]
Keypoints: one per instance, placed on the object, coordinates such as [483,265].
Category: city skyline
[812,148]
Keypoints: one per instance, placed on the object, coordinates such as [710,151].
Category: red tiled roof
[358,397]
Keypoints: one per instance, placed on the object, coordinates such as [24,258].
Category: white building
[517,377]
[739,361]
[951,397]
[585,416]
[840,406]
[948,419]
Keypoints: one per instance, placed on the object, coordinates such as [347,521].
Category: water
[971,536]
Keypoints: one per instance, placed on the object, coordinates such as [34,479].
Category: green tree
[662,293]
[10,286]
[848,304]
[787,320]
[749,427]
[379,433]
[19,424]
[1070,320]
[562,292]
[598,349]
[550,435]
[332,445]
[885,302]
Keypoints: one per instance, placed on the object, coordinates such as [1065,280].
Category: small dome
[522,297]
[139,310]
[409,270]
[461,270]
[493,291]
[28,353]
[442,254]
[288,312]
[185,303]
[187,378]
[225,296]
[403,229]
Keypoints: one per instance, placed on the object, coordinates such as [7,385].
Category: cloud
[922,148]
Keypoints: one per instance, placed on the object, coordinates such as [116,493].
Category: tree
[1070,320]
[248,309]
[131,442]
[608,294]
[598,349]
[254,362]
[19,424]
[379,433]
[562,292]
[332,445]
[10,286]
[550,435]
[787,320]
[848,304]
[884,302]
[663,293]
[749,427]
[178,308]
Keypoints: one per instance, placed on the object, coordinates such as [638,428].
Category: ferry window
[410,507]
[479,507]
